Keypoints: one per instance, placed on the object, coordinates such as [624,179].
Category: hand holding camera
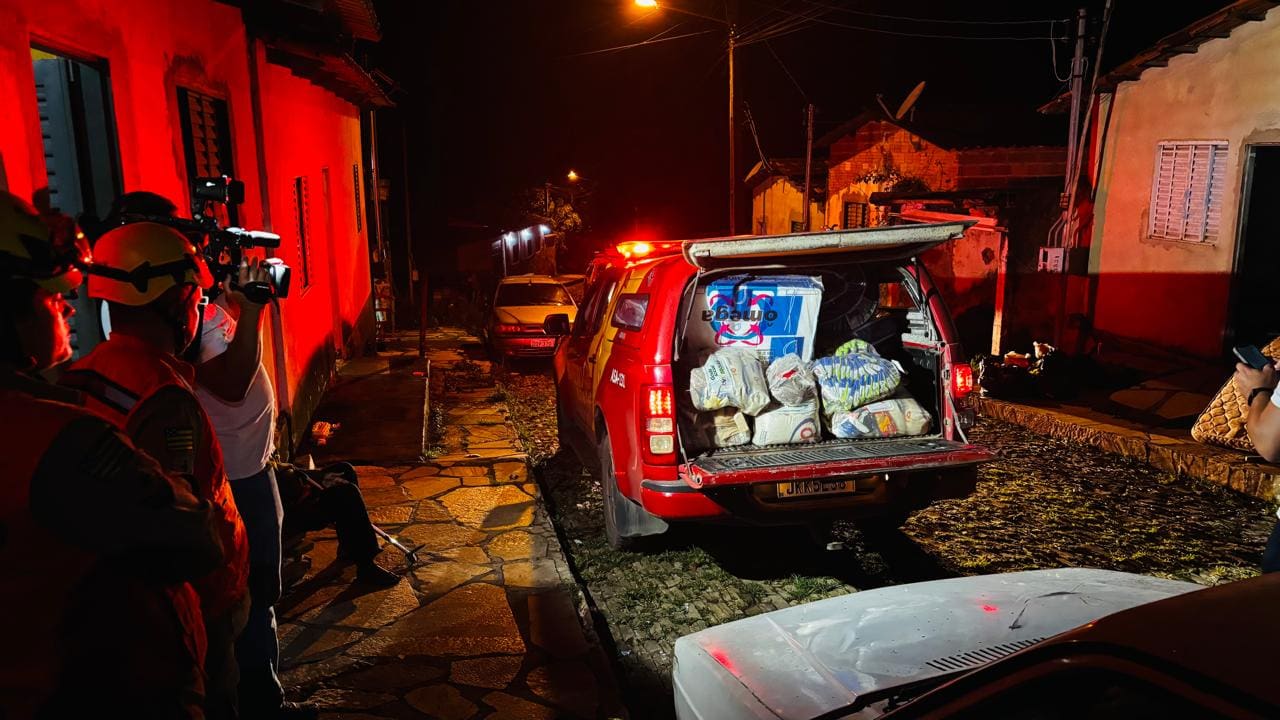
[250,285]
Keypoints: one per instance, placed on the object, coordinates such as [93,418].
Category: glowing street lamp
[647,3]
[573,176]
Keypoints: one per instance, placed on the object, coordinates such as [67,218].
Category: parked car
[521,304]
[996,647]
[622,384]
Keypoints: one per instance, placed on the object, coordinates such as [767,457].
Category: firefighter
[152,279]
[96,542]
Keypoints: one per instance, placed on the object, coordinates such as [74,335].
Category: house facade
[1182,225]
[100,102]
[1001,168]
[777,196]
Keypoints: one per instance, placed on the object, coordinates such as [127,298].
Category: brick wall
[1000,167]
[875,147]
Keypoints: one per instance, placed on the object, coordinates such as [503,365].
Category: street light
[733,164]
[573,176]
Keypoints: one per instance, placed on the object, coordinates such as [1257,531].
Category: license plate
[544,342]
[806,488]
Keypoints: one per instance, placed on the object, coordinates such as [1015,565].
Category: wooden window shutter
[1187,191]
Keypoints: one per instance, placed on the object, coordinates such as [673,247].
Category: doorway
[81,160]
[1255,312]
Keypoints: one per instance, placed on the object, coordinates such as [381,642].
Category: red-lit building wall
[311,134]
[149,49]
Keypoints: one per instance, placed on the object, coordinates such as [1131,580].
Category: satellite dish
[912,97]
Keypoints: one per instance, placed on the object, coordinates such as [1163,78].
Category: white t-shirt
[246,430]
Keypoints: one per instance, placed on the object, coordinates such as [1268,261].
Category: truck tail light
[961,381]
[659,419]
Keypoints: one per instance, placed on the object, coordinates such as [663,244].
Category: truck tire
[628,526]
[609,491]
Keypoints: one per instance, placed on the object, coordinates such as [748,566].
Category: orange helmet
[31,249]
[136,263]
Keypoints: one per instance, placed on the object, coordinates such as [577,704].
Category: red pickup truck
[622,383]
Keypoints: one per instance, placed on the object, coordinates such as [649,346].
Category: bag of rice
[731,377]
[894,417]
[787,424]
[790,380]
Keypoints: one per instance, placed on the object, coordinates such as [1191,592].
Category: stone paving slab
[490,623]
[1174,454]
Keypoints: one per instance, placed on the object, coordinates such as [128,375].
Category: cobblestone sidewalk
[490,623]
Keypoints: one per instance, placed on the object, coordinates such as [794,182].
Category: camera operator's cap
[136,263]
[50,255]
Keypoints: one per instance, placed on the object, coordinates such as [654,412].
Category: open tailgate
[830,459]
[893,242]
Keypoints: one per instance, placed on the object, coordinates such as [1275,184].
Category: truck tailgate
[830,459]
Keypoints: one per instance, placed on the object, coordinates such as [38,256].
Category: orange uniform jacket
[96,544]
[147,393]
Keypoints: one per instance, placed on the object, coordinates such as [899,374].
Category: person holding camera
[1263,423]
[235,390]
[152,280]
[97,543]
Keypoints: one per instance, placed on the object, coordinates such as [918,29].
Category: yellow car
[514,327]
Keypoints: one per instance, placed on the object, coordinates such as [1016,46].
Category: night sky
[497,95]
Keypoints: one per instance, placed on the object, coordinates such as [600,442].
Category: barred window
[301,219]
[1186,192]
[856,215]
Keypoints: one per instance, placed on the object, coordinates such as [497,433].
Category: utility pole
[1073,130]
[1068,195]
[808,161]
[733,166]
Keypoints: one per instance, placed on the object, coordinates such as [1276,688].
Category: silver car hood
[803,661]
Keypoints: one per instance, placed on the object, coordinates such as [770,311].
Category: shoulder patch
[180,439]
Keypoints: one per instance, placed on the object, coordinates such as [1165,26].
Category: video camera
[224,247]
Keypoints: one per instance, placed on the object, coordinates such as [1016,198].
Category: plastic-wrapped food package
[786,424]
[854,380]
[719,428]
[857,346]
[730,378]
[894,417]
[790,380]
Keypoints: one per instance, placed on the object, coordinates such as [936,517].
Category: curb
[1181,456]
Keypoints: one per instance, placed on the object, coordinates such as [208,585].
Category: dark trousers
[1271,556]
[258,650]
[343,505]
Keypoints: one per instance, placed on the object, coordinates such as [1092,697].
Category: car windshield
[532,294]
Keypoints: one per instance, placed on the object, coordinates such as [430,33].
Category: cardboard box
[771,315]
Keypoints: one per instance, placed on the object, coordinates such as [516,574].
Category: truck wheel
[562,425]
[612,500]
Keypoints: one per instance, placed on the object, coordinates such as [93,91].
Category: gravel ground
[1045,503]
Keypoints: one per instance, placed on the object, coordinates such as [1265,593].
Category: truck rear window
[629,313]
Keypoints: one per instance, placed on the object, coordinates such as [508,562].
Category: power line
[1053,50]
[939,21]
[642,43]
[816,18]
[933,36]
[791,22]
[783,65]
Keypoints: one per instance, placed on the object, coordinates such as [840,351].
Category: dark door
[1256,308]
[78,130]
